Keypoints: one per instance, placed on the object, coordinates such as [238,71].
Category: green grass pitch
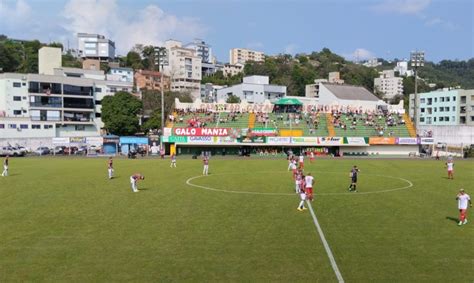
[62,220]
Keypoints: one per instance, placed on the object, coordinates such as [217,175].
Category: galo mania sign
[215,132]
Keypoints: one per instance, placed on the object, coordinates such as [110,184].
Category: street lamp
[161,59]
[417,59]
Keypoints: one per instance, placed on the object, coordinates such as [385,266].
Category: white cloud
[290,48]
[17,15]
[150,25]
[437,21]
[402,6]
[360,54]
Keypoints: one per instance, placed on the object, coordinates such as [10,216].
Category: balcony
[45,105]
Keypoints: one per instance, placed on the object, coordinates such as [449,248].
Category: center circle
[326,183]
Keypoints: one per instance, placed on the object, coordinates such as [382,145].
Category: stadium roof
[350,92]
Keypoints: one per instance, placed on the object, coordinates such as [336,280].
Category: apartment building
[388,84]
[254,89]
[447,107]
[120,74]
[151,80]
[232,70]
[95,46]
[204,51]
[242,55]
[184,68]
[64,104]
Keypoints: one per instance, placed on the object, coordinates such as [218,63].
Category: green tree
[152,107]
[233,99]
[133,60]
[120,113]
[71,61]
[149,57]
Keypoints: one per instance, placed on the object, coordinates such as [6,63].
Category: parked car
[70,150]
[22,149]
[59,150]
[10,151]
[81,150]
[42,150]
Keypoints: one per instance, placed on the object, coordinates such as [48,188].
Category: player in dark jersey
[353,175]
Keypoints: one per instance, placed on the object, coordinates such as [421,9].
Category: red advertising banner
[215,132]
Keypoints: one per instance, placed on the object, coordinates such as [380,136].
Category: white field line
[325,244]
[188,182]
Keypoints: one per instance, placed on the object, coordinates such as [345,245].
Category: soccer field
[61,219]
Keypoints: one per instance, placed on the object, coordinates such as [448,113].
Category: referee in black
[353,175]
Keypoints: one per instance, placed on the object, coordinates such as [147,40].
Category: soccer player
[463,199]
[450,166]
[134,180]
[308,180]
[353,175]
[110,167]
[301,159]
[290,162]
[303,198]
[311,156]
[5,167]
[298,178]
[205,170]
[173,160]
[294,169]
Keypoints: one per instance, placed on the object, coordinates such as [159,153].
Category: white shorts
[132,181]
[5,167]
[303,196]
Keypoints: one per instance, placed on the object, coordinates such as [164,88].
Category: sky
[355,29]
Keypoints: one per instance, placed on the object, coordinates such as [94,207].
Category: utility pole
[161,60]
[417,59]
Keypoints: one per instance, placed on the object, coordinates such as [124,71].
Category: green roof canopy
[288,101]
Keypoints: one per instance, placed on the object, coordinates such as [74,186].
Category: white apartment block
[242,55]
[64,104]
[204,51]
[253,89]
[402,69]
[95,46]
[388,84]
[184,69]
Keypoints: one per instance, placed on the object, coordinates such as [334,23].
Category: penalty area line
[325,244]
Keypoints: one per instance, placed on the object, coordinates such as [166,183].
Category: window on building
[16,84]
[454,108]
[23,84]
[422,100]
[25,111]
[422,119]
[47,126]
[12,126]
[36,126]
[98,89]
[441,119]
[447,99]
[436,99]
[441,99]
[2,126]
[472,118]
[23,126]
[16,112]
[17,98]
[24,97]
[446,119]
[454,98]
[80,128]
